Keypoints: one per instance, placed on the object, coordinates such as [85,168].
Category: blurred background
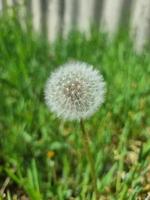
[53,17]
[42,157]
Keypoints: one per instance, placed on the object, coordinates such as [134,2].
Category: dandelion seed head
[75,91]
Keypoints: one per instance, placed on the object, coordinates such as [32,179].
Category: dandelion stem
[86,140]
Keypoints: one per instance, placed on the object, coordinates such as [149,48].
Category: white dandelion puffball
[75,91]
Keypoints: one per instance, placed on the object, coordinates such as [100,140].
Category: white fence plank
[53,19]
[21,12]
[36,14]
[85,15]
[140,24]
[68,21]
[1,5]
[111,15]
[10,3]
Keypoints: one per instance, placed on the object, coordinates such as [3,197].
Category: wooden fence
[61,16]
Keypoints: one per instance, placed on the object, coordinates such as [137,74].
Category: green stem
[86,140]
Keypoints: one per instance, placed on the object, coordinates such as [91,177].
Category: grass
[42,157]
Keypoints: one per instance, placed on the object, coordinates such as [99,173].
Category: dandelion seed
[75,91]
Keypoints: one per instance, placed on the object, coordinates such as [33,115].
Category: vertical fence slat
[53,19]
[21,12]
[68,25]
[36,15]
[111,15]
[140,24]
[1,5]
[9,2]
[85,14]
[9,5]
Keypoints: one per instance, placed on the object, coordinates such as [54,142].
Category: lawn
[42,157]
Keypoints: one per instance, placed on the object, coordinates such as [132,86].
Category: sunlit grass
[39,154]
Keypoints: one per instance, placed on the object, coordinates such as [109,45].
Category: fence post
[9,3]
[85,14]
[53,19]
[1,5]
[68,17]
[21,12]
[140,24]
[111,15]
[36,15]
